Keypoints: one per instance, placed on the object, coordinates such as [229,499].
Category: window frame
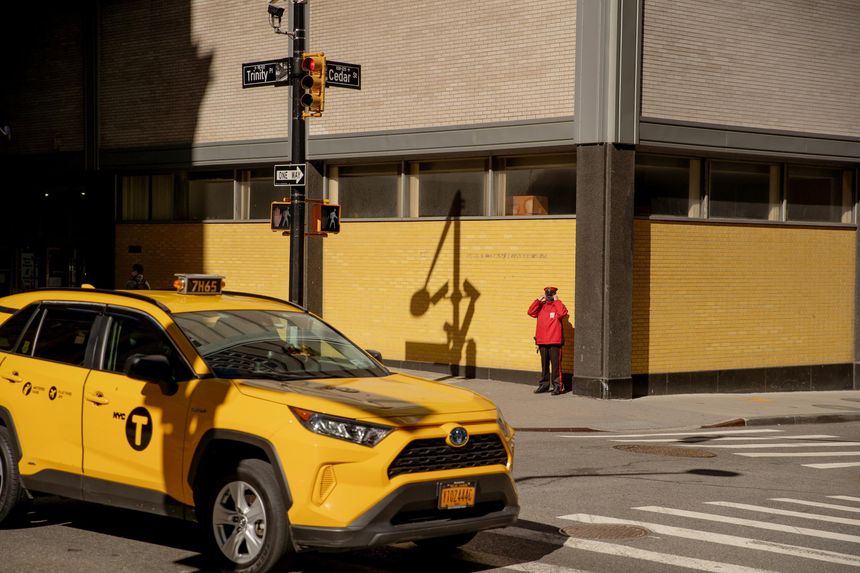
[92,340]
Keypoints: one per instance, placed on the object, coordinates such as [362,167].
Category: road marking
[844,497]
[818,504]
[719,433]
[752,523]
[504,563]
[803,445]
[735,541]
[795,454]
[664,558]
[832,466]
[745,438]
[800,514]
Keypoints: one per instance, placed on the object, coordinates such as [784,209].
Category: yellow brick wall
[379,277]
[250,255]
[779,64]
[709,297]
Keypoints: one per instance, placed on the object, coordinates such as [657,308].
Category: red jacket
[549,316]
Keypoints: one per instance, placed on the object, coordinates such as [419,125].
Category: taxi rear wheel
[244,519]
[12,493]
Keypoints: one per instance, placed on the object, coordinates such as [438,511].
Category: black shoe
[542,389]
[557,391]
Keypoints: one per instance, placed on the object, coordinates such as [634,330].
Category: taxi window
[11,330]
[64,334]
[131,336]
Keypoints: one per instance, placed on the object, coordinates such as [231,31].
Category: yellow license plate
[456,495]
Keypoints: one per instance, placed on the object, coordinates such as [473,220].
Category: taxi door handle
[14,378]
[98,398]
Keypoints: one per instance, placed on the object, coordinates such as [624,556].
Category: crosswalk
[753,443]
[800,542]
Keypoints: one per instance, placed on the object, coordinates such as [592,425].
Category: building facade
[684,172]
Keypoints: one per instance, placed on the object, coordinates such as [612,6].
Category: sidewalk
[527,411]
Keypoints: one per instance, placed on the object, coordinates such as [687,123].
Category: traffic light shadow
[459,353]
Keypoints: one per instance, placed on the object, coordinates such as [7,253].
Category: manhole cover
[666,451]
[604,531]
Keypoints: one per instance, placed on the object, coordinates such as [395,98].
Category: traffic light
[280,216]
[313,83]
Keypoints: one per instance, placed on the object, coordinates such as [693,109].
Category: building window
[667,186]
[540,185]
[818,194]
[262,191]
[210,195]
[366,191]
[135,198]
[438,185]
[743,190]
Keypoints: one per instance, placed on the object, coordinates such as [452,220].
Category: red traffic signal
[313,84]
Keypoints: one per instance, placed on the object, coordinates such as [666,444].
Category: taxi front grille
[434,454]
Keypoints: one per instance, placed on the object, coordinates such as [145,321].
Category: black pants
[550,358]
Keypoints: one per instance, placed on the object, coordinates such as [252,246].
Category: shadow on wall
[154,79]
[452,351]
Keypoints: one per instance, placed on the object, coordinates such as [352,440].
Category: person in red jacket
[549,336]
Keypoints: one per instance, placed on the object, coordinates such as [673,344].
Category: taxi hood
[399,398]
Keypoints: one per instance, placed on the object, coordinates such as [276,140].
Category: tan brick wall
[378,275]
[171,71]
[778,64]
[709,297]
[438,63]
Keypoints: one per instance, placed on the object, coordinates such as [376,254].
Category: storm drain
[665,451]
[604,531]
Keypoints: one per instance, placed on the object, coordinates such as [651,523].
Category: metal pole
[298,144]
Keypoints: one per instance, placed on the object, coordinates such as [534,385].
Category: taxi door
[133,432]
[44,379]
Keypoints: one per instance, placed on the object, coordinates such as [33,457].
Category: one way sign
[290,175]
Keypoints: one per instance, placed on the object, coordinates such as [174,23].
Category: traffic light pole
[298,142]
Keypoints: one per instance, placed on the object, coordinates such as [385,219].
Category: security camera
[275,14]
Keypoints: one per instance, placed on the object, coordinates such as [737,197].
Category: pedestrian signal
[330,218]
[280,217]
[313,84]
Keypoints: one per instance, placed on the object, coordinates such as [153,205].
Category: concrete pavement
[527,411]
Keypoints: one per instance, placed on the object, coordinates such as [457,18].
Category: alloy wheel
[239,522]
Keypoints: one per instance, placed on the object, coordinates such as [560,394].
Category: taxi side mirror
[152,368]
[375,353]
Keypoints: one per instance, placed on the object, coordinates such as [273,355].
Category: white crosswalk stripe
[659,531]
[773,444]
[732,540]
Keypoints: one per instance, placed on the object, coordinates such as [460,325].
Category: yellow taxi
[246,413]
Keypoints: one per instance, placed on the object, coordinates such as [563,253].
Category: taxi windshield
[273,344]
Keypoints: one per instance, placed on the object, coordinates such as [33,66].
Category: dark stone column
[314,244]
[604,271]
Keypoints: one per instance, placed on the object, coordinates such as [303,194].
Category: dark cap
[550,289]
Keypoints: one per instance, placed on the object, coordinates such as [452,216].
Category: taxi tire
[446,543]
[12,493]
[277,549]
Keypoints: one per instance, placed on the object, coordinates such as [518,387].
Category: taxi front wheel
[244,519]
[12,493]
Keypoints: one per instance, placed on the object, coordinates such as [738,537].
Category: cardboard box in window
[530,205]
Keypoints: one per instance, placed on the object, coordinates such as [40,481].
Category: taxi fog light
[342,428]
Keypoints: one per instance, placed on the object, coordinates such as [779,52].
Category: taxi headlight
[342,428]
[507,429]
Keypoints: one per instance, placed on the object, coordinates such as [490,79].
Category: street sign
[268,73]
[290,175]
[343,75]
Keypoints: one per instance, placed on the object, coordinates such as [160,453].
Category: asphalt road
[753,504]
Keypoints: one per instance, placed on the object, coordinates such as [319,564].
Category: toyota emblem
[458,437]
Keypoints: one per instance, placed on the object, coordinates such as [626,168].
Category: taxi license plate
[456,495]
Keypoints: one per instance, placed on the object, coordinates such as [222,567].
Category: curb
[786,420]
[560,430]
